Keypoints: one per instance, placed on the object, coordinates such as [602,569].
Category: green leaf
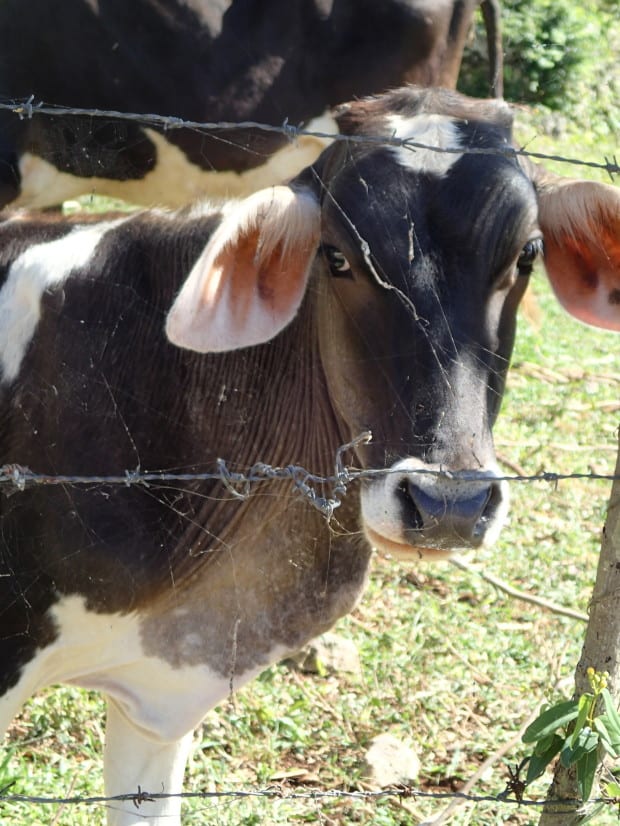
[610,710]
[586,772]
[610,738]
[544,743]
[606,742]
[588,739]
[551,720]
[540,760]
[566,754]
[612,789]
[585,703]
[589,818]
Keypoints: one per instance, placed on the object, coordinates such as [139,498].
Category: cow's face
[416,262]
[424,259]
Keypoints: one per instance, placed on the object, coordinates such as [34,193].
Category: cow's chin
[404,552]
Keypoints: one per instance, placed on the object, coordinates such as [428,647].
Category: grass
[449,663]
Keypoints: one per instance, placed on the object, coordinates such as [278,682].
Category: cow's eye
[529,254]
[338,264]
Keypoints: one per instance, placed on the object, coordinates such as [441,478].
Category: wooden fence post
[601,650]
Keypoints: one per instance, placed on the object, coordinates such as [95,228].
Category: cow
[265,61]
[377,292]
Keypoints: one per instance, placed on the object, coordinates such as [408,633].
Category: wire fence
[16,478]
[283,791]
[323,492]
[28,108]
[512,796]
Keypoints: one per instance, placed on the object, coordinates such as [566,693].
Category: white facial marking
[437,131]
[174,181]
[37,269]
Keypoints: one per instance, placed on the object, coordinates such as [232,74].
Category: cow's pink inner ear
[250,280]
[273,278]
[580,221]
[584,272]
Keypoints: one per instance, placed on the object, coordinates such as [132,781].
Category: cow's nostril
[436,504]
[494,500]
[413,517]
[449,510]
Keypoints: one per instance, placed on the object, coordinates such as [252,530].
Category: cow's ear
[580,221]
[251,277]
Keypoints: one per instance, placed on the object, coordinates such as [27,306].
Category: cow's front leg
[134,760]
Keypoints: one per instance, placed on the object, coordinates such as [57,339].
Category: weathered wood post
[601,650]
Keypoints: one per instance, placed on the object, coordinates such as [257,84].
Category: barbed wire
[15,478]
[27,108]
[282,791]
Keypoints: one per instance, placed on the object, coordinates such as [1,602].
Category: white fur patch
[437,131]
[37,269]
[152,706]
[104,652]
[174,181]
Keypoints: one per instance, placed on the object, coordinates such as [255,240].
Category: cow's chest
[275,580]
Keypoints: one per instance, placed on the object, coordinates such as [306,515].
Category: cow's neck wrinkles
[297,424]
[285,380]
[275,525]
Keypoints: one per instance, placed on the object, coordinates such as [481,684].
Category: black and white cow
[209,60]
[377,292]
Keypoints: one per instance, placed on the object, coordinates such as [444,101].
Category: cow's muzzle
[418,510]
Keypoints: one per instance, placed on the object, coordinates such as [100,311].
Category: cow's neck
[276,396]
[259,551]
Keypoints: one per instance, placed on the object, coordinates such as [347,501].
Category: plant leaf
[587,741]
[609,741]
[586,772]
[589,818]
[610,706]
[585,703]
[612,715]
[544,743]
[551,720]
[612,789]
[540,760]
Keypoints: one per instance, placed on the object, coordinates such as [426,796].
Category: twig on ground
[522,595]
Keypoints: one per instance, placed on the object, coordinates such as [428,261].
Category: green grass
[449,662]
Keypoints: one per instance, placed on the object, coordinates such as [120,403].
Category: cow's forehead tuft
[440,140]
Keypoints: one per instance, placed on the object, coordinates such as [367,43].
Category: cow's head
[417,261]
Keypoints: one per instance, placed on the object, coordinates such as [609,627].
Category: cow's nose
[423,510]
[450,511]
